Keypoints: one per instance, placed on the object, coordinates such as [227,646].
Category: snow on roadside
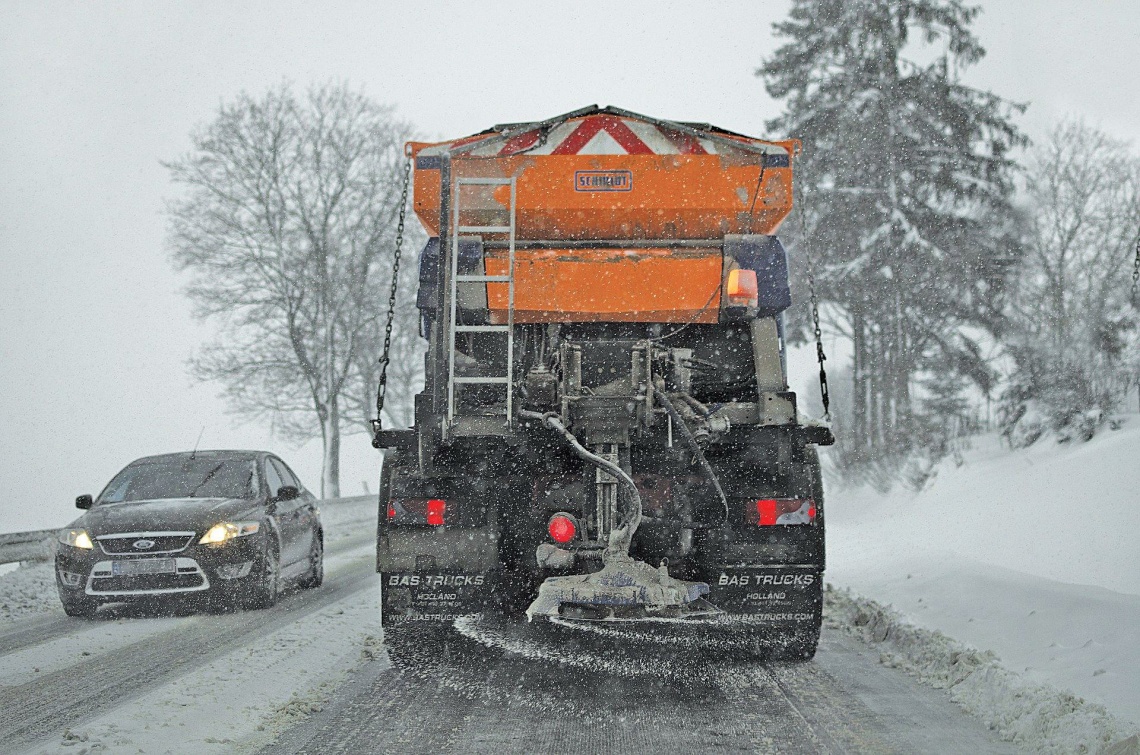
[1076,637]
[1064,512]
[245,698]
[348,517]
[28,591]
[1038,717]
[1030,555]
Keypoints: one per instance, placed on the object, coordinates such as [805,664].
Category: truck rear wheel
[418,645]
[801,647]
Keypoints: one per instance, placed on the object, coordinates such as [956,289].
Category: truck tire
[418,646]
[516,592]
[801,647]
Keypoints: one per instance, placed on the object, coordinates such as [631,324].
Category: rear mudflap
[434,595]
[782,597]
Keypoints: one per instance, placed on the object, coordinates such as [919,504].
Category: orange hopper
[618,216]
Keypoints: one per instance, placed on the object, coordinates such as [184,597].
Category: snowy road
[517,690]
[59,672]
[312,675]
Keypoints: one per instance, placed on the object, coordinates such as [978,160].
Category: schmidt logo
[603,180]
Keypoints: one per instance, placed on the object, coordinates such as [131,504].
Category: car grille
[164,542]
[186,577]
[147,583]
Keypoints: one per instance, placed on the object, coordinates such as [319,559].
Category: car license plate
[142,566]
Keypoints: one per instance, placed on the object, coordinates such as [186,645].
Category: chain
[1136,276]
[382,387]
[824,394]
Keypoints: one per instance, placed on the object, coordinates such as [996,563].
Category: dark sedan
[233,526]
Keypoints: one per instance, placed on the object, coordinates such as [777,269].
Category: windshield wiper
[206,479]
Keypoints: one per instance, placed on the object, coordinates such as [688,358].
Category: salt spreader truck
[606,431]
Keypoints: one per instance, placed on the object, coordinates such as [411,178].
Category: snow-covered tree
[287,226]
[1073,330]
[905,184]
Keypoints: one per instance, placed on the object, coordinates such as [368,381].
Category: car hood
[178,514]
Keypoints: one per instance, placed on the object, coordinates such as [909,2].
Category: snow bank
[345,518]
[1028,554]
[28,591]
[1064,512]
[1039,717]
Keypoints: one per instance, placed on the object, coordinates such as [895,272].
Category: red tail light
[431,511]
[436,508]
[771,511]
[562,528]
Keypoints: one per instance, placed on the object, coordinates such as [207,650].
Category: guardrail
[27,546]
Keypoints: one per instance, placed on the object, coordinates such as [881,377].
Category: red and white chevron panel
[601,134]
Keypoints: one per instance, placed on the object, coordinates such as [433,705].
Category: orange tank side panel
[587,197]
[608,285]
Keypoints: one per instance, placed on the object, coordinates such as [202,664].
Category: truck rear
[606,431]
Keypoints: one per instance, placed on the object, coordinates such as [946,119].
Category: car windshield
[182,478]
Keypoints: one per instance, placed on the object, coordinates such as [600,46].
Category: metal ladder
[509,329]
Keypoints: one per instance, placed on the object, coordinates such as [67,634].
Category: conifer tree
[906,180]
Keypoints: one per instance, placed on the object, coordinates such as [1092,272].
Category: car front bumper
[97,575]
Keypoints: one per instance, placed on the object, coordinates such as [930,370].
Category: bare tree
[287,226]
[1073,327]
[406,368]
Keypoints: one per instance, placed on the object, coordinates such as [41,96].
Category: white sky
[94,330]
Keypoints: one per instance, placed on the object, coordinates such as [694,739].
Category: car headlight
[223,532]
[76,539]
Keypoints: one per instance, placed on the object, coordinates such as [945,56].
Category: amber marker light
[741,288]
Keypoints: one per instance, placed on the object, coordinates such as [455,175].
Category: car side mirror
[287,493]
[84,501]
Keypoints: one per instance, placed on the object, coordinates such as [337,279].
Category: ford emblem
[143,545]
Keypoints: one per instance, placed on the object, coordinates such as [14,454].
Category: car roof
[216,454]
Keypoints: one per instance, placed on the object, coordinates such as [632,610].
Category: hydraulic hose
[622,536]
[693,446]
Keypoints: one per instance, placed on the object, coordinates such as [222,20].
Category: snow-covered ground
[1030,554]
[242,700]
[26,591]
[237,701]
[1025,556]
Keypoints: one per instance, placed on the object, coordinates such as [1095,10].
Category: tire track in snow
[493,688]
[65,698]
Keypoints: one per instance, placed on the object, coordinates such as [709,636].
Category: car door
[292,516]
[307,515]
[282,511]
